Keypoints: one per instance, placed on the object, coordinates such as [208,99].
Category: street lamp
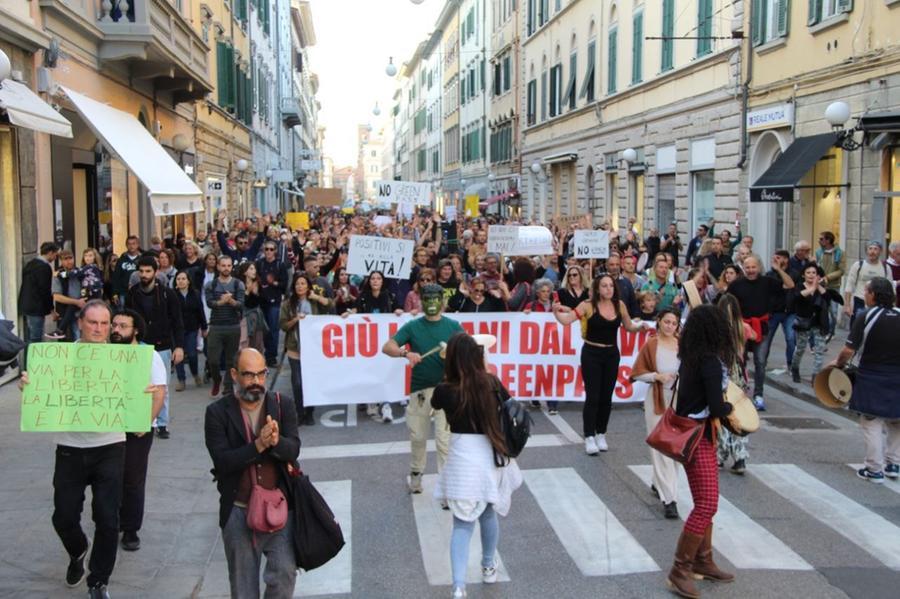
[535,168]
[837,114]
[376,111]
[629,155]
[241,167]
[390,70]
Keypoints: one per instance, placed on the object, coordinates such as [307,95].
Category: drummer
[423,336]
[876,395]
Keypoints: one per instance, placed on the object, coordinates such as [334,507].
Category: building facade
[474,47]
[448,25]
[504,127]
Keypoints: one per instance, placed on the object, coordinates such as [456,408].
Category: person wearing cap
[876,396]
[859,276]
[424,335]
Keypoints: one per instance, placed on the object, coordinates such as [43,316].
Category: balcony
[290,112]
[156,43]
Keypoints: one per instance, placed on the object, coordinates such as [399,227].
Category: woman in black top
[253,325]
[574,288]
[194,319]
[475,297]
[477,480]
[706,350]
[374,298]
[809,301]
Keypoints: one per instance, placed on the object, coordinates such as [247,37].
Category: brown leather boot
[681,579]
[704,566]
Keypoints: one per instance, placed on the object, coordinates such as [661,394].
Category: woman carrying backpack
[478,478]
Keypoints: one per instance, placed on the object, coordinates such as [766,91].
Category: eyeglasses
[262,374]
[573,275]
[270,249]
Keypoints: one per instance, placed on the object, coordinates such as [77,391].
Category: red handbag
[267,510]
[676,436]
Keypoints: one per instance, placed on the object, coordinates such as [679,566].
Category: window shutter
[815,12]
[757,22]
[221,72]
[668,32]
[637,48]
[784,17]
[554,92]
[588,83]
[844,5]
[704,27]
[507,76]
[481,71]
[229,98]
[573,80]
[611,65]
[544,96]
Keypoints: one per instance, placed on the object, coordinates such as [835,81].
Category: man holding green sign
[90,393]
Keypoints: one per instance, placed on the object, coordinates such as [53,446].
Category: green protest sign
[87,387]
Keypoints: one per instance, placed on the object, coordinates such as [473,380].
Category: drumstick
[438,348]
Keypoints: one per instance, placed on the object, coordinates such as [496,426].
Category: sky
[354,39]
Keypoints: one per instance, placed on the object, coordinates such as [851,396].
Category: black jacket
[231,453]
[35,295]
[699,390]
[271,293]
[193,317]
[165,329]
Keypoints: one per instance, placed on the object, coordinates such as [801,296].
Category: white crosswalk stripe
[335,577]
[434,526]
[745,543]
[892,484]
[834,509]
[594,538]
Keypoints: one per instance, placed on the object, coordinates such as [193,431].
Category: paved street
[798,524]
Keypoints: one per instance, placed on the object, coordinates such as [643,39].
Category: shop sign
[772,194]
[770,117]
[215,188]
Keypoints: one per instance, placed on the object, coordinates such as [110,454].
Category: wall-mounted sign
[772,194]
[771,117]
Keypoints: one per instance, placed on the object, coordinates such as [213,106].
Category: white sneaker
[489,574]
[415,483]
[590,446]
[601,443]
[387,414]
[458,593]
[372,410]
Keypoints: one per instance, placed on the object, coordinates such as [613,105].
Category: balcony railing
[290,112]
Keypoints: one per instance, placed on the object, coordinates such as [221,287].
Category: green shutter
[668,32]
[815,12]
[844,6]
[637,48]
[221,72]
[784,17]
[229,98]
[611,61]
[757,22]
[704,27]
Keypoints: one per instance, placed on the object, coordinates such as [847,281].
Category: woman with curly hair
[706,350]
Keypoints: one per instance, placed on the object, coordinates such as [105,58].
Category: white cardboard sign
[382,221]
[520,240]
[590,244]
[404,193]
[393,257]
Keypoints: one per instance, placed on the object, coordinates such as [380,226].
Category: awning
[560,158]
[26,109]
[778,182]
[171,191]
[475,189]
[880,122]
[497,198]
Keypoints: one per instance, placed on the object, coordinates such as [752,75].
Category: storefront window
[612,200]
[111,206]
[703,198]
[9,256]
[894,214]
[821,197]
[636,201]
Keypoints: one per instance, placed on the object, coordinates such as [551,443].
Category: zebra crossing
[599,544]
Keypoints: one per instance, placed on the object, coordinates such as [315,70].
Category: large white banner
[393,257]
[535,357]
[404,193]
[513,240]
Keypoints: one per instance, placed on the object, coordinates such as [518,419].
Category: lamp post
[837,114]
[538,172]
[390,70]
[241,167]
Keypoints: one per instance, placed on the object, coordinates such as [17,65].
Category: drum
[485,341]
[833,387]
[744,419]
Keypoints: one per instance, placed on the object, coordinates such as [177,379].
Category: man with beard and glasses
[95,460]
[251,435]
[128,327]
[158,305]
[423,335]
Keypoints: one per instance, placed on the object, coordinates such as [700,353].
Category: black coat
[193,317]
[231,453]
[35,295]
[165,329]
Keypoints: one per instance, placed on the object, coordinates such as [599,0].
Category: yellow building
[660,79]
[806,56]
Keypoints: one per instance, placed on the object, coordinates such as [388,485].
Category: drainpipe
[745,92]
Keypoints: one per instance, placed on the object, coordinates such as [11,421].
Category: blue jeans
[859,306]
[190,355]
[459,543]
[34,333]
[244,550]
[271,338]
[786,321]
[163,418]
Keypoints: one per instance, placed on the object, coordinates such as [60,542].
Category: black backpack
[515,423]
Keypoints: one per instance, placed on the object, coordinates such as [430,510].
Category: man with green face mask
[423,335]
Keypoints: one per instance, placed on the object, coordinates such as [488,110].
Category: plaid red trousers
[703,477]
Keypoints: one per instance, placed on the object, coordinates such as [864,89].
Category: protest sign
[403,193]
[535,357]
[297,221]
[590,244]
[450,213]
[393,257]
[520,241]
[472,209]
[87,387]
[382,221]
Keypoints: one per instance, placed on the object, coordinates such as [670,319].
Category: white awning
[171,190]
[26,109]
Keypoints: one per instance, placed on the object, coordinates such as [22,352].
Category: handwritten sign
[405,193]
[589,244]
[382,221]
[520,241]
[87,387]
[472,208]
[450,213]
[297,221]
[393,257]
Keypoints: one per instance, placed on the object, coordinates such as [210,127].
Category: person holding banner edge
[424,337]
[600,317]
